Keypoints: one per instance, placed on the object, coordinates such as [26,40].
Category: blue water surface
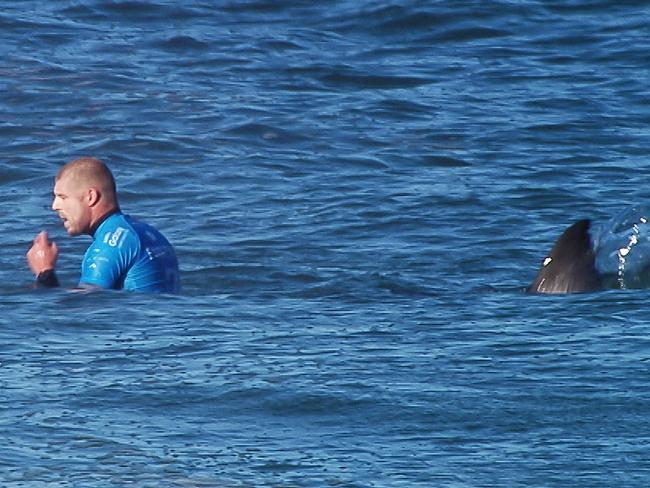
[358,193]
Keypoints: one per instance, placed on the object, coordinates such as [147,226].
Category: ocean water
[358,192]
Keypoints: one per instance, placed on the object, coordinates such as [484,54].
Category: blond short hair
[91,172]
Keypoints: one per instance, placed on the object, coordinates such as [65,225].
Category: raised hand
[43,254]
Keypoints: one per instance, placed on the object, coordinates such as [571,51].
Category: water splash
[622,247]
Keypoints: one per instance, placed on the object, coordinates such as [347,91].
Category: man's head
[84,191]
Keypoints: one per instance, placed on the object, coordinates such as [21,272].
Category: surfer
[125,253]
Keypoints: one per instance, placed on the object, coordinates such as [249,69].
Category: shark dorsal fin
[570,266]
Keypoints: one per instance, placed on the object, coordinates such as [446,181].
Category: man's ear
[93,196]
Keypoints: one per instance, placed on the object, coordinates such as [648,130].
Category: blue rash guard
[130,255]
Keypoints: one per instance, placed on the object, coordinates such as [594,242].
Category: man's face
[69,203]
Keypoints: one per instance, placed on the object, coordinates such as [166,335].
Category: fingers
[42,243]
[41,237]
[42,240]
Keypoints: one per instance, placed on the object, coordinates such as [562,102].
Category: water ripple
[358,193]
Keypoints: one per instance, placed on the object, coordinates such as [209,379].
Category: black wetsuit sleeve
[47,279]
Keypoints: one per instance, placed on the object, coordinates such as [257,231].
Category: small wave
[593,6]
[264,6]
[11,23]
[55,39]
[360,162]
[352,79]
[182,43]
[397,109]
[264,132]
[444,162]
[314,403]
[441,25]
[359,287]
[401,20]
[467,34]
[133,10]
[9,173]
[282,45]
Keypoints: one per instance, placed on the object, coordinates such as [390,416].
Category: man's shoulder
[117,232]
[123,231]
[113,222]
[146,232]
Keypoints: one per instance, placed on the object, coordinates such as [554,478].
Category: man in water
[125,253]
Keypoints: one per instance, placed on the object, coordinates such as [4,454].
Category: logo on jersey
[114,238]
